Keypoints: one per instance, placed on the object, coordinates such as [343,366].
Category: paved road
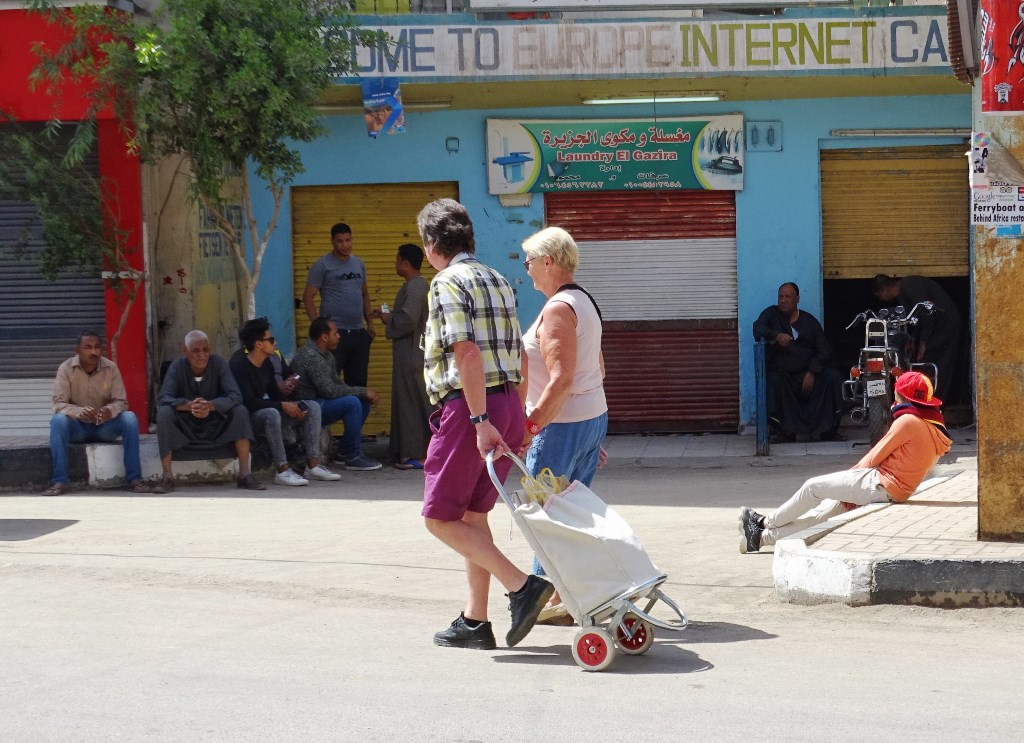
[306,615]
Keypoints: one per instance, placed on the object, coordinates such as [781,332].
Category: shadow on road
[662,658]
[21,530]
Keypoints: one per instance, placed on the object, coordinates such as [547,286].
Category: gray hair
[556,244]
[195,335]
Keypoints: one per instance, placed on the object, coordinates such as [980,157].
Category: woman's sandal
[409,464]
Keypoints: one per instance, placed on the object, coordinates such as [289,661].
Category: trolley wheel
[643,635]
[593,649]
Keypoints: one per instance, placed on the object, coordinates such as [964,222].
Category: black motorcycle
[882,359]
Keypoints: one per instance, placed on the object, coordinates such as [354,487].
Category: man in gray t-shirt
[340,278]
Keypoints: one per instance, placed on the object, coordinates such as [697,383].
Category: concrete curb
[806,576]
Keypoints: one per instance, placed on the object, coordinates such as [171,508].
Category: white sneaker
[289,477]
[320,473]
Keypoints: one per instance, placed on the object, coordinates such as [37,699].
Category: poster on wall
[997,186]
[1002,56]
[382,107]
[537,156]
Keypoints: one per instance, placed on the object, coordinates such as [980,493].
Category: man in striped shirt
[472,367]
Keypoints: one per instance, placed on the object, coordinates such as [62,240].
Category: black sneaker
[751,524]
[525,606]
[459,635]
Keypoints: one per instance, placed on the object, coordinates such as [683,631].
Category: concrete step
[25,464]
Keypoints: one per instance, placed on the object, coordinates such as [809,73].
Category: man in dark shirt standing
[804,395]
[268,408]
[937,334]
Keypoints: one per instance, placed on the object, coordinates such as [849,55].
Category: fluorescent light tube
[696,97]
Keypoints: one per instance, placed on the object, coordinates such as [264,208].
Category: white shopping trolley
[599,567]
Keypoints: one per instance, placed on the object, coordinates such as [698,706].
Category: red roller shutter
[662,266]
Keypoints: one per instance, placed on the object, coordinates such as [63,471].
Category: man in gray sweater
[318,380]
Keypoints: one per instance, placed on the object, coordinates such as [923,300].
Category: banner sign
[526,156]
[592,49]
[1002,57]
[382,107]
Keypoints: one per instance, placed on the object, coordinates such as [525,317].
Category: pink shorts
[455,473]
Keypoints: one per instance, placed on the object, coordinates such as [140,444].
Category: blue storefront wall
[778,213]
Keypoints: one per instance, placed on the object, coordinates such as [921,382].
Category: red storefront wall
[22,29]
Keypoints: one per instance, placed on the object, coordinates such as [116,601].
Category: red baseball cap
[917,388]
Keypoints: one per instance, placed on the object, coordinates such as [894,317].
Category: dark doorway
[845,298]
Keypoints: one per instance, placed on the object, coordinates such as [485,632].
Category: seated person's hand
[808,384]
[200,408]
[783,339]
[288,386]
[292,410]
[88,415]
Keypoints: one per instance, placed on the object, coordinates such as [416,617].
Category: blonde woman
[567,415]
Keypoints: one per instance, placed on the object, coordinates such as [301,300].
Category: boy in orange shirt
[891,471]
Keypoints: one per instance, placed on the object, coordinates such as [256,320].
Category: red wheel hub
[639,634]
[592,649]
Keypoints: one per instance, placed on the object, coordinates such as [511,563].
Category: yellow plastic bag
[538,489]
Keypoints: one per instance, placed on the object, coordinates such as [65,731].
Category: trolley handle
[498,485]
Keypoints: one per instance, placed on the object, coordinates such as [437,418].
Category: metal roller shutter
[663,268]
[36,326]
[902,210]
[382,217]
[39,319]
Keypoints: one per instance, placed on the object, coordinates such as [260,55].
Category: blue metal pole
[762,400]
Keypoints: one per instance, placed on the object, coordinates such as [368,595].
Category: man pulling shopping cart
[472,363]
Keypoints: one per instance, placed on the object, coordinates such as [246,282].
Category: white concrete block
[106,465]
[808,576]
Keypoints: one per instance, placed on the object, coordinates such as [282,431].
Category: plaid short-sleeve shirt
[469,301]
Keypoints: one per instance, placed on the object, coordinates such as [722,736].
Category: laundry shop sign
[544,50]
[526,156]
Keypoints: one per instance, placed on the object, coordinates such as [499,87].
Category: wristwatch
[474,419]
[532,428]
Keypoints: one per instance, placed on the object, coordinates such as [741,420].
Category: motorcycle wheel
[879,418]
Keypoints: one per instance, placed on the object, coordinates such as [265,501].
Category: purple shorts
[455,473]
